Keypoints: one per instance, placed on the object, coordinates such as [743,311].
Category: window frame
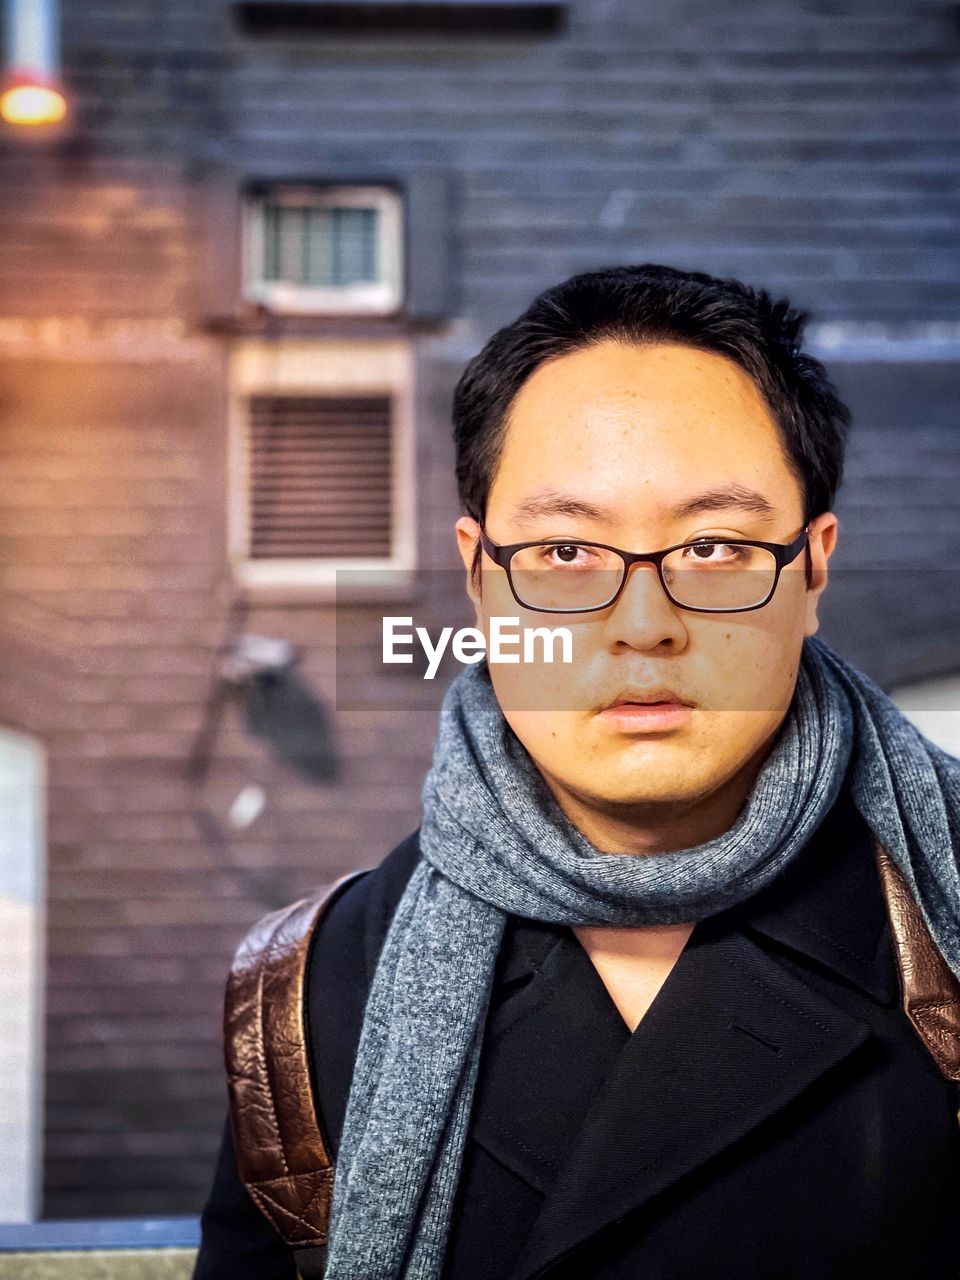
[380,298]
[324,366]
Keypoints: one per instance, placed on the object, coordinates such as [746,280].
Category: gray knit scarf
[494,841]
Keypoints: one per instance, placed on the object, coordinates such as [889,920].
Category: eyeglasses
[708,575]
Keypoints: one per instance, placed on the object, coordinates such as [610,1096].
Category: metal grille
[321,247]
[320,476]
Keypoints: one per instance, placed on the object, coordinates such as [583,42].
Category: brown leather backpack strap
[282,1159]
[929,989]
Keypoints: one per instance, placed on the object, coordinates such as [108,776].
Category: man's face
[636,431]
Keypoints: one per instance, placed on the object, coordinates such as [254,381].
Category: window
[321,462]
[325,250]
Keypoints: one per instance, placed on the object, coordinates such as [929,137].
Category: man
[626,1004]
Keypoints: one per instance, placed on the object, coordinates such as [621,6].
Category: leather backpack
[282,1158]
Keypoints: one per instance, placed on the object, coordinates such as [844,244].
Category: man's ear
[822,541]
[468,534]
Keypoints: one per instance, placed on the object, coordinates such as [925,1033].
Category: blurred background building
[237,284]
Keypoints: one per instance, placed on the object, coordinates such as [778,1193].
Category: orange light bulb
[32,104]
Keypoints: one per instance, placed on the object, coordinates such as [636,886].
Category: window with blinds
[320,476]
[325,249]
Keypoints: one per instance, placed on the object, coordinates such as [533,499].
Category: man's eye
[565,553]
[715,552]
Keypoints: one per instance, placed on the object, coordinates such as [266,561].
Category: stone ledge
[99,1264]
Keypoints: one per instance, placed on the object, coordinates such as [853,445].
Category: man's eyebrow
[735,495]
[550,502]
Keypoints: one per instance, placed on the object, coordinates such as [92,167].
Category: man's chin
[639,795]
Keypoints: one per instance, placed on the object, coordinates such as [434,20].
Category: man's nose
[644,616]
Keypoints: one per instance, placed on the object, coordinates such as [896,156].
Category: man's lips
[646,711]
[651,697]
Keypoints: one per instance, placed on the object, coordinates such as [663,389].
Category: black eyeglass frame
[784,553]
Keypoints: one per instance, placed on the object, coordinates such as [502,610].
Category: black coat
[773,1117]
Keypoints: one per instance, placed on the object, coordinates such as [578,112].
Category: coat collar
[826,906]
[606,1120]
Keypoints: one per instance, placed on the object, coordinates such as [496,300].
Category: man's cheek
[544,688]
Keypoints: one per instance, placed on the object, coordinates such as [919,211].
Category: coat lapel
[733,1036]
[548,1048]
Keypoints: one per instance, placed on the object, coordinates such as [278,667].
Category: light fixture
[31,95]
[31,103]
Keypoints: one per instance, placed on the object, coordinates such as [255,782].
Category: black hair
[649,304]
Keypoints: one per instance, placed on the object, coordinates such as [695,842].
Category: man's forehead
[684,445]
[623,407]
[637,370]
